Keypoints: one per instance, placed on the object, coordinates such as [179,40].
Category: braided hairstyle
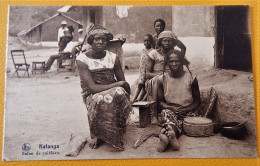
[182,58]
[90,37]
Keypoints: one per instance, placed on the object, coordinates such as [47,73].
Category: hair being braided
[182,58]
[166,59]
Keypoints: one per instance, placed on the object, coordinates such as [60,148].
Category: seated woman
[179,95]
[159,26]
[156,65]
[139,92]
[104,89]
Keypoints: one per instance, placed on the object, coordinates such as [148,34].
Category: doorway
[233,40]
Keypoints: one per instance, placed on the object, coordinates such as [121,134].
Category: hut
[95,15]
[47,31]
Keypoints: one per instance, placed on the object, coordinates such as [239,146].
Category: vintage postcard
[128,82]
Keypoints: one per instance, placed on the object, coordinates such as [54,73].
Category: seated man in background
[80,39]
[65,53]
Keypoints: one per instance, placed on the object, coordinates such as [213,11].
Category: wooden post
[99,15]
[144,116]
[219,37]
[144,112]
[85,18]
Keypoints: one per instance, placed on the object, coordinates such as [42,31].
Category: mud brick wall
[234,104]
[193,21]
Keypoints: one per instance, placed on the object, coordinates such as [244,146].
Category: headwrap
[168,34]
[98,29]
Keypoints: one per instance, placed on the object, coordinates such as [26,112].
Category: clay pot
[234,130]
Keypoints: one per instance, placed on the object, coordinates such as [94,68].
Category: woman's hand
[124,85]
[163,105]
[170,107]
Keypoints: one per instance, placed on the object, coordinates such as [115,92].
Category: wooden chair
[20,63]
[68,63]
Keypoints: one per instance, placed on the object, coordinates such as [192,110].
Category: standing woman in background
[156,65]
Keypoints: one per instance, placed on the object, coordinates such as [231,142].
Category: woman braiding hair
[156,65]
[169,36]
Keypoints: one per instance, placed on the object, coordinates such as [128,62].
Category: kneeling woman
[179,95]
[105,91]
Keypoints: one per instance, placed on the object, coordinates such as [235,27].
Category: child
[139,92]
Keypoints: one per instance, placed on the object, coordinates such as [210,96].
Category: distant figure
[140,92]
[61,34]
[159,26]
[67,38]
[80,39]
[71,29]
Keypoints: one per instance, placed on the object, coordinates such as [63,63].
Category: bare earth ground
[47,108]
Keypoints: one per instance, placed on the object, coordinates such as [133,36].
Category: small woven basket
[198,126]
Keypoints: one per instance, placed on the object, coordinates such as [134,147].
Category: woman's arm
[181,46]
[195,96]
[118,70]
[160,93]
[86,77]
[149,68]
[120,75]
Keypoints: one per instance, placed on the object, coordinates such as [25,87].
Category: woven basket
[198,126]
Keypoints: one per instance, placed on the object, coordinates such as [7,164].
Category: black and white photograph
[128,82]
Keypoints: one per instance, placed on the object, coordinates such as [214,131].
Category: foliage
[23,17]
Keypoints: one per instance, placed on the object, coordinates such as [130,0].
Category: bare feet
[163,141]
[172,138]
[94,143]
